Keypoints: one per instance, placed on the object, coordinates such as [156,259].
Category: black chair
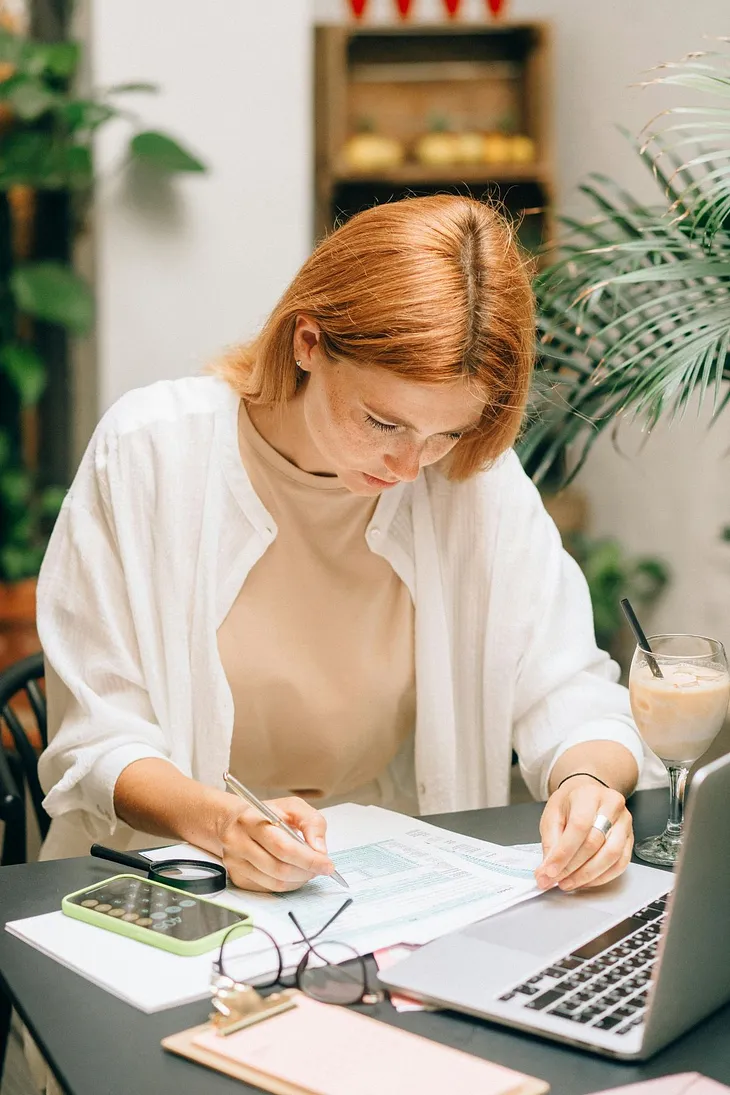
[18,771]
[19,762]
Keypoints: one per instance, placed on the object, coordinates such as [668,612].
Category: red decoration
[496,6]
[404,7]
[358,7]
[452,7]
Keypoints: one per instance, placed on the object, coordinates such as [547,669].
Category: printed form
[410,882]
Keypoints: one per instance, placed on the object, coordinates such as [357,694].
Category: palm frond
[634,311]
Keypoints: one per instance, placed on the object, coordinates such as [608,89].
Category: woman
[324,567]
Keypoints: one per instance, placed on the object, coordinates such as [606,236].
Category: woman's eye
[385,426]
[455,436]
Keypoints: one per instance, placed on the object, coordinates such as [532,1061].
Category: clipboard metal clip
[237,1006]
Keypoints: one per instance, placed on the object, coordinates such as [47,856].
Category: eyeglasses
[328,971]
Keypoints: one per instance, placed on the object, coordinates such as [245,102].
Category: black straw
[640,637]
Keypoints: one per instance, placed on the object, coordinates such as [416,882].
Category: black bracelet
[573,774]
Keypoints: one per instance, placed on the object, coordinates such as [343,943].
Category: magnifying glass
[191,875]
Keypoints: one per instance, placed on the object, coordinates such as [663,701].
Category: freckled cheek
[337,433]
[436,449]
[353,443]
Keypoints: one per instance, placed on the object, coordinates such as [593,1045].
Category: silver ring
[603,824]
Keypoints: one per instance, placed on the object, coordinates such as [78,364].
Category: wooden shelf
[433,71]
[419,174]
[487,78]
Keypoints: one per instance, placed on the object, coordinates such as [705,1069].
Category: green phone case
[144,935]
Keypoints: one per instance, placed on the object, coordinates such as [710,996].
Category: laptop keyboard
[603,984]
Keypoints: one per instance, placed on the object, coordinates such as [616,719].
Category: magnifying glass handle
[127,859]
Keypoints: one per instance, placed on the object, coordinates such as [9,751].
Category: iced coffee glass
[679,699]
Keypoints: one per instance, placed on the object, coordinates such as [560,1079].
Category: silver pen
[266,811]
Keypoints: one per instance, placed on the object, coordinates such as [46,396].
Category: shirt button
[374,533]
[269,531]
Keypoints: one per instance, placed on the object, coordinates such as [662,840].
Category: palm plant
[635,311]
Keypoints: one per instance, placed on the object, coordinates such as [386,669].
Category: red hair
[434,289]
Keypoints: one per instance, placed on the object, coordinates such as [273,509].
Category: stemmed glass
[679,699]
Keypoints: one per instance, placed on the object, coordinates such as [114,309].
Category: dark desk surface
[99,1045]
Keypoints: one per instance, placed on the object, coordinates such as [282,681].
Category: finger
[552,824]
[310,822]
[595,839]
[581,840]
[593,844]
[277,855]
[619,839]
[578,829]
[246,876]
[614,871]
[270,865]
[280,845]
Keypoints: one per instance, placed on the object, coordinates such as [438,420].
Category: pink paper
[329,1049]
[684,1083]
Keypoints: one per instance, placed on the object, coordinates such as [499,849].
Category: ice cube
[684,680]
[704,673]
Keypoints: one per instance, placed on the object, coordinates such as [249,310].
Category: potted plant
[47,131]
[635,311]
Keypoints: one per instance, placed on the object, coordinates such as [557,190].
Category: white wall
[183,273]
[235,79]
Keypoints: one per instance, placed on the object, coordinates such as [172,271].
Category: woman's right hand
[261,856]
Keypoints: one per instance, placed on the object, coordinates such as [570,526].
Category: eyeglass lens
[332,973]
[259,964]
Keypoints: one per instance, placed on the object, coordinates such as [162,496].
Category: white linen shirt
[155,538]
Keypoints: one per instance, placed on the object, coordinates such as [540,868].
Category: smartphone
[153,913]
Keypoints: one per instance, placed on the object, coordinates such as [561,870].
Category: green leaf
[4,448]
[163,153]
[53,292]
[725,534]
[20,531]
[50,501]
[25,370]
[17,563]
[79,166]
[16,488]
[86,114]
[125,89]
[27,157]
[57,59]
[31,98]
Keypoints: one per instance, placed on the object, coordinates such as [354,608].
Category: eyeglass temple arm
[310,938]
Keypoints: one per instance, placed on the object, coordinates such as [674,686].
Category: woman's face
[373,428]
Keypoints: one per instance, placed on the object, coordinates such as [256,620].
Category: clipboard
[321,1049]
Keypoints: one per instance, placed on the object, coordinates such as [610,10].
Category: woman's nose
[405,465]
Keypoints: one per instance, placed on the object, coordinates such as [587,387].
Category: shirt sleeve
[99,709]
[567,689]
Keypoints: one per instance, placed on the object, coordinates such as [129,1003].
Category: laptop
[621,970]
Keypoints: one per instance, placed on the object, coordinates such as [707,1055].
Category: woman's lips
[374,481]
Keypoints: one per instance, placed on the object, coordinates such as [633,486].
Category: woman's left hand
[575,853]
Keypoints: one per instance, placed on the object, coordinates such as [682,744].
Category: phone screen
[178,915]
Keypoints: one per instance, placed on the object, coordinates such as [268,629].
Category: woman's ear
[307,337]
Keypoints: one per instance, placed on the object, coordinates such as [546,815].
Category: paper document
[410,882]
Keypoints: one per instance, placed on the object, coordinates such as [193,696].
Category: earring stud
[298,364]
